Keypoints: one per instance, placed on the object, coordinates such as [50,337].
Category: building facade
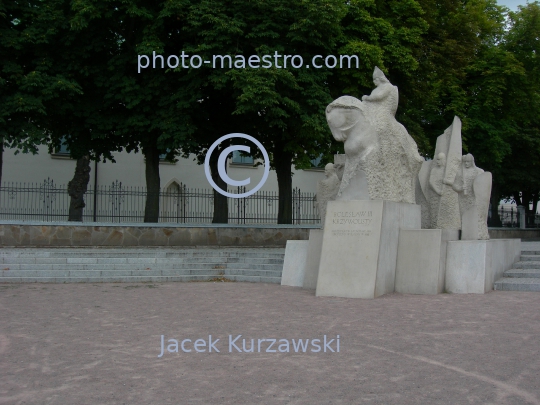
[34,187]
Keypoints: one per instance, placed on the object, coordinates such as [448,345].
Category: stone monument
[375,239]
[421,265]
[382,159]
[376,196]
[327,190]
[440,208]
[339,164]
[474,188]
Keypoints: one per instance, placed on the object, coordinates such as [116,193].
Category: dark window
[63,149]
[163,157]
[316,163]
[238,159]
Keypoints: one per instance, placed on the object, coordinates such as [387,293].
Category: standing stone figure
[339,164]
[382,159]
[327,190]
[473,186]
[436,177]
[439,202]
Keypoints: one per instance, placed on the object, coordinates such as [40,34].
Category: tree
[281,107]
[522,165]
[148,107]
[30,83]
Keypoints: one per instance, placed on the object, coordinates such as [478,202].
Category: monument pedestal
[294,263]
[421,260]
[359,249]
[472,266]
[313,259]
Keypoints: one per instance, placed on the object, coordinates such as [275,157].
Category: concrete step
[128,273]
[141,279]
[529,258]
[517,284]
[522,273]
[142,253]
[140,260]
[531,252]
[144,266]
[527,265]
[59,265]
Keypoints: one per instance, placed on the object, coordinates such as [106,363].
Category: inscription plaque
[359,247]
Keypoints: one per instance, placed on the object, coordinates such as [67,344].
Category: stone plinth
[505,252]
[313,259]
[20,233]
[421,260]
[359,250]
[294,264]
[472,266]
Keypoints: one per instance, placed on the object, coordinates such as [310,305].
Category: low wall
[18,233]
[512,233]
[100,234]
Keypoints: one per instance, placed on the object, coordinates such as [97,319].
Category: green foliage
[282,107]
[30,82]
[521,167]
[70,70]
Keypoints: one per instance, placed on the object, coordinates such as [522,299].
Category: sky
[512,4]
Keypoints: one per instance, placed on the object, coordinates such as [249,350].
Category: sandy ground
[99,344]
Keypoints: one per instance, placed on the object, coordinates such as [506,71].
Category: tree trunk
[517,198]
[221,207]
[282,163]
[495,199]
[1,158]
[77,188]
[151,209]
[526,200]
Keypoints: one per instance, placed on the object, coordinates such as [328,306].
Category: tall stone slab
[294,263]
[468,263]
[440,207]
[359,249]
[421,260]
[472,266]
[313,259]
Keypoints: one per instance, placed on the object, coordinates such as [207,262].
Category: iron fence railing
[47,201]
[510,218]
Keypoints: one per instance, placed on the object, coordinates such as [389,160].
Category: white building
[130,170]
[54,171]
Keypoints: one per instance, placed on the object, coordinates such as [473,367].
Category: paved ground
[99,344]
[530,245]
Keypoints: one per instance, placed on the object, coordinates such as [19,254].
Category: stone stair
[525,276]
[99,264]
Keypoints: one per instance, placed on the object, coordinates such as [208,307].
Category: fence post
[521,214]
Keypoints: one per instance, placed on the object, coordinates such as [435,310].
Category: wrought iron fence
[116,203]
[510,218]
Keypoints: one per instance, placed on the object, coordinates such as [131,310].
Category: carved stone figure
[382,159]
[474,188]
[327,190]
[439,202]
[339,164]
[436,177]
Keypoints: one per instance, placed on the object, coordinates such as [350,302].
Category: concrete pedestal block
[294,263]
[469,224]
[421,260]
[505,252]
[359,250]
[472,266]
[313,258]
